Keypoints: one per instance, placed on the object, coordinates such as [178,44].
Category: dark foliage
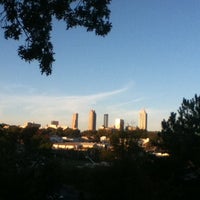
[32,170]
[27,166]
[32,21]
[181,132]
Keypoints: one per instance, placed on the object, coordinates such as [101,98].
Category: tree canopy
[181,132]
[31,21]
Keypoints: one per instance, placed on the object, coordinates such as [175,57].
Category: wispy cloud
[136,100]
[44,108]
[19,104]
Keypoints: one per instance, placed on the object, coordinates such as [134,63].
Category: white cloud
[18,108]
[42,108]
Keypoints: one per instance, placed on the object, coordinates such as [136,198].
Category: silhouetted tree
[27,134]
[72,133]
[32,21]
[181,132]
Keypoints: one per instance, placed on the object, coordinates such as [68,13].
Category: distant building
[105,120]
[119,124]
[143,120]
[55,139]
[75,121]
[92,121]
[131,128]
[56,123]
[32,124]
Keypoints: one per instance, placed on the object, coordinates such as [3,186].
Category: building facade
[54,124]
[143,120]
[119,124]
[92,120]
[75,121]
[105,120]
[32,124]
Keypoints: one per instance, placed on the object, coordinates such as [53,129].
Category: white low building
[77,145]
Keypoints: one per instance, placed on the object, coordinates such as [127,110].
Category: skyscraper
[75,121]
[119,124]
[92,121]
[143,120]
[105,121]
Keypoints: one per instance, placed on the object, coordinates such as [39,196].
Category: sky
[150,60]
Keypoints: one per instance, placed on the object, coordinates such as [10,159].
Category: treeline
[30,169]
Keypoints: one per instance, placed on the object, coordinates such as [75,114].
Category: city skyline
[149,59]
[118,123]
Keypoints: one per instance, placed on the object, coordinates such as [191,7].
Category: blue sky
[150,59]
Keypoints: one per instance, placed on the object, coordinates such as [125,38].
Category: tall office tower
[92,121]
[143,120]
[75,121]
[105,121]
[119,124]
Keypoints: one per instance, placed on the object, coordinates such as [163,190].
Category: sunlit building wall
[119,124]
[92,121]
[75,121]
[143,120]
